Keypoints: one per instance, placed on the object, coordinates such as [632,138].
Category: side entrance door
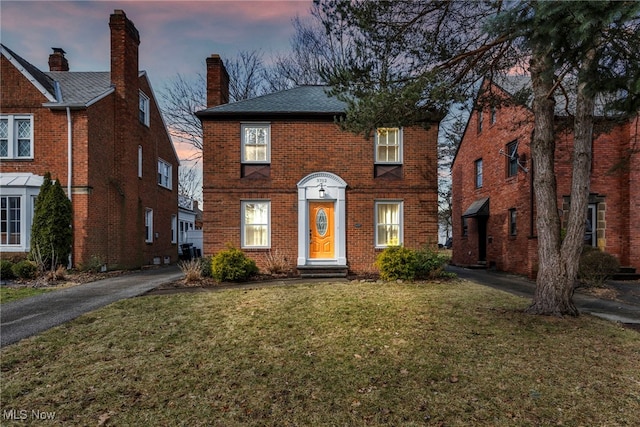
[321,230]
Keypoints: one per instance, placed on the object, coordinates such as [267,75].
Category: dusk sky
[175,36]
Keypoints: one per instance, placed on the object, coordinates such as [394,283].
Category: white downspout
[69,167]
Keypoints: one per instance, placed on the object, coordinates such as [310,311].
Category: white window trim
[148,225]
[161,175]
[174,229]
[242,224]
[400,148]
[144,103]
[246,125]
[13,138]
[400,204]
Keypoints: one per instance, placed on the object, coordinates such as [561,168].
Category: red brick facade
[614,190]
[108,197]
[301,147]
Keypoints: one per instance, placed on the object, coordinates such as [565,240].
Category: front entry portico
[321,220]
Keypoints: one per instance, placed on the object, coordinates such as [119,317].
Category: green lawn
[8,294]
[343,354]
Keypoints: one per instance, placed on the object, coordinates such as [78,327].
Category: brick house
[281,178]
[102,136]
[492,180]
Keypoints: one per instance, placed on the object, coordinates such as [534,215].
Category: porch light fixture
[321,191]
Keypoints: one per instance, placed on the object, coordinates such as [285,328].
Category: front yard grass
[330,354]
[8,294]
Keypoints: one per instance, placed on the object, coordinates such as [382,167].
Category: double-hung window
[478,175]
[16,137]
[148,225]
[164,174]
[256,220]
[143,110]
[256,142]
[388,217]
[388,143]
[10,233]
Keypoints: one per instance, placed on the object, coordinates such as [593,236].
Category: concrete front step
[626,273]
[322,271]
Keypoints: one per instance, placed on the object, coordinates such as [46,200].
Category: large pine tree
[406,59]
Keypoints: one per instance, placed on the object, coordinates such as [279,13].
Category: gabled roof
[565,103]
[301,101]
[40,80]
[63,88]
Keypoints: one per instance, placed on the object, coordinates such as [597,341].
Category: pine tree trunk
[554,289]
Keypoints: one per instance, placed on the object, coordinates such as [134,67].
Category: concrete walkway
[625,310]
[26,317]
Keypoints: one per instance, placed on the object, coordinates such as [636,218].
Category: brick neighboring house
[493,201]
[281,178]
[102,136]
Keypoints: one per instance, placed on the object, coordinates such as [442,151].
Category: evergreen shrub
[400,263]
[596,266]
[6,270]
[51,234]
[25,269]
[232,265]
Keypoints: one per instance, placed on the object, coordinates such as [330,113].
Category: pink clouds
[176,36]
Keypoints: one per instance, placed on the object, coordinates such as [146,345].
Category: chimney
[125,40]
[217,82]
[57,61]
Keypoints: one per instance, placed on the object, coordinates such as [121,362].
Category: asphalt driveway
[26,317]
[626,309]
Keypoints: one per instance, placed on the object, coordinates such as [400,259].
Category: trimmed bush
[25,269]
[6,270]
[232,265]
[397,262]
[400,263]
[596,266]
[430,264]
[205,266]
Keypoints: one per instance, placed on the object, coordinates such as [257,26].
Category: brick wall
[611,182]
[108,198]
[300,148]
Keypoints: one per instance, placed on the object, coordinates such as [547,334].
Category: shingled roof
[80,88]
[299,101]
[518,85]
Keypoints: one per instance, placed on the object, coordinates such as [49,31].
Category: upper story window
[480,120]
[256,143]
[388,143]
[478,165]
[465,226]
[16,136]
[388,223]
[512,158]
[492,118]
[144,109]
[256,219]
[164,174]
